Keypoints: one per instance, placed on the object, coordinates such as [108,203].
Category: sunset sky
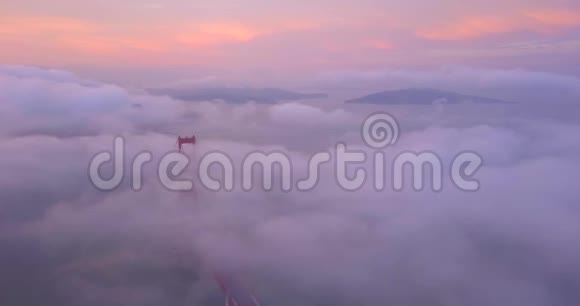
[292,38]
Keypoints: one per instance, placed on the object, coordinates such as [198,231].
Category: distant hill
[419,96]
[236,95]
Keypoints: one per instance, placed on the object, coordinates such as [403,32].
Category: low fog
[512,242]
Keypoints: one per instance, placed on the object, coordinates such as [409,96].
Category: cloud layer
[65,243]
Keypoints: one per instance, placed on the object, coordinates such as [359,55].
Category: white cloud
[74,245]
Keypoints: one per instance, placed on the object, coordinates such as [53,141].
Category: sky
[287,39]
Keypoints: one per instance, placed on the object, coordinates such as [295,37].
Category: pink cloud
[379,44]
[560,18]
[541,21]
[469,27]
[212,34]
[27,26]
